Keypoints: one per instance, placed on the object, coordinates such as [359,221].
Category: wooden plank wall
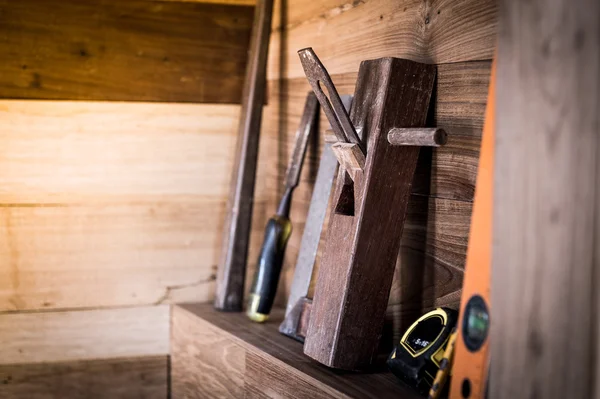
[136,50]
[110,211]
[459,37]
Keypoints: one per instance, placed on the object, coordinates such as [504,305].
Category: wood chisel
[297,303]
[279,227]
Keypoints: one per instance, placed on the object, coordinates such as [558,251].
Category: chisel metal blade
[306,124]
[333,107]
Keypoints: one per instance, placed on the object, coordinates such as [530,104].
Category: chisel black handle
[270,262]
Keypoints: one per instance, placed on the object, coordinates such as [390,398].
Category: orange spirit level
[471,363]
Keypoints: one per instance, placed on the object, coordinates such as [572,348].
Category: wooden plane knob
[424,137]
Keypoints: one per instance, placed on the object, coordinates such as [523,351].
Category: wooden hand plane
[377,149]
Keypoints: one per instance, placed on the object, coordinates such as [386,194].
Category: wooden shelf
[216,354]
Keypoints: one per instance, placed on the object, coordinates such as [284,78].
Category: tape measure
[416,360]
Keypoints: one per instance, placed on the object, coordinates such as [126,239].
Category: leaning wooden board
[115,50]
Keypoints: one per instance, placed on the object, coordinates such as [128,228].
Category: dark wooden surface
[124,378]
[355,277]
[136,50]
[274,365]
[545,270]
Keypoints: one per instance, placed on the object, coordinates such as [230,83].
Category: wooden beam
[121,378]
[547,209]
[83,335]
[112,50]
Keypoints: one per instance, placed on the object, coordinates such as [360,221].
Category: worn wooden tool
[231,272]
[369,204]
[472,345]
[297,312]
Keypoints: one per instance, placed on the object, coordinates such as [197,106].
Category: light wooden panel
[546,205]
[85,334]
[288,15]
[135,50]
[70,152]
[439,31]
[113,204]
[123,378]
[108,255]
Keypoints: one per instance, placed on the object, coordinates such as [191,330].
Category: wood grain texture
[73,152]
[546,208]
[204,361]
[458,102]
[106,204]
[56,257]
[82,335]
[289,15]
[122,378]
[275,360]
[440,31]
[267,379]
[430,264]
[123,51]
